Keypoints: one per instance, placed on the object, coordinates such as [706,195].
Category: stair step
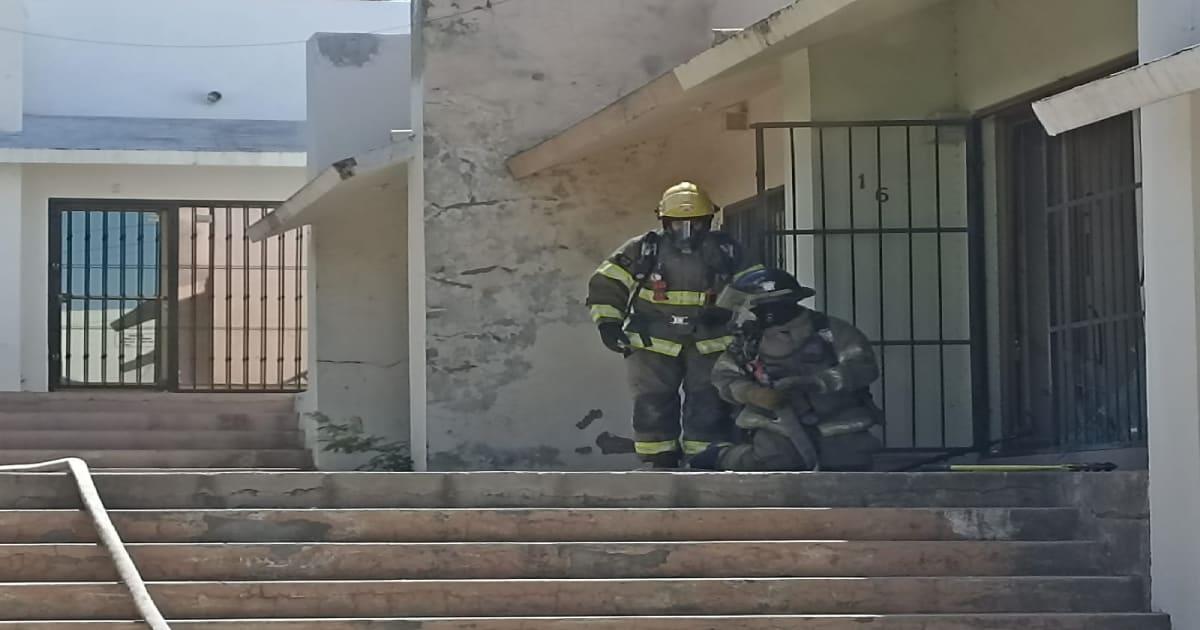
[508,489]
[219,419]
[1046,621]
[156,458]
[499,561]
[158,439]
[94,401]
[547,525]
[492,598]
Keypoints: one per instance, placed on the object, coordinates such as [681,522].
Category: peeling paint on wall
[509,260]
[589,418]
[348,49]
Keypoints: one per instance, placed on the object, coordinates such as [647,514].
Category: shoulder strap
[647,256]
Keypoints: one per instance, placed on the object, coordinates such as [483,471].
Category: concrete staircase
[125,430]
[563,551]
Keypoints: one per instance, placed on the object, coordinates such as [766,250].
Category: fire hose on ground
[106,532]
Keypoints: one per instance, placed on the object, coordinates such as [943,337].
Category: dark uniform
[654,301]
[803,382]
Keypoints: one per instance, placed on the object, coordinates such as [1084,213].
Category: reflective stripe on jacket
[667,317]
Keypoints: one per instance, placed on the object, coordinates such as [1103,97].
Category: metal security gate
[174,296]
[883,218]
[752,223]
[1077,367]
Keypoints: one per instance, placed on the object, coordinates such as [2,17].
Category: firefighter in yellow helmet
[654,301]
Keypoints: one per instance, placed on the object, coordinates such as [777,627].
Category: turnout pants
[661,432]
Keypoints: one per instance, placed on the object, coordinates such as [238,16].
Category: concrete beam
[754,41]
[734,70]
[803,24]
[123,157]
[1125,91]
[335,187]
[649,112]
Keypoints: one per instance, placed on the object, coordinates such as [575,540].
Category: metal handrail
[107,533]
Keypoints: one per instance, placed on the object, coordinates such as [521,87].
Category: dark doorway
[753,224]
[1075,371]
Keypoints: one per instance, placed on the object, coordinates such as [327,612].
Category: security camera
[213,97]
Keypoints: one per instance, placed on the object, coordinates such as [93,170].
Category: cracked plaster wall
[358,93]
[362,339]
[517,376]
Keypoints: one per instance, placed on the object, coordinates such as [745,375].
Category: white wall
[361,357]
[1006,49]
[41,183]
[358,92]
[259,83]
[11,341]
[901,69]
[1171,163]
[358,89]
[12,15]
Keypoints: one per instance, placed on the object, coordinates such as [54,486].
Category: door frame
[168,288]
[1013,304]
[291,260]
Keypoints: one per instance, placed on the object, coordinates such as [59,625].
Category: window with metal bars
[1075,369]
[174,296]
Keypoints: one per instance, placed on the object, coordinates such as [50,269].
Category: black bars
[944,396]
[1096,327]
[146,296]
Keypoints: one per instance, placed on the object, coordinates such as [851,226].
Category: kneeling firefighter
[654,302]
[802,378]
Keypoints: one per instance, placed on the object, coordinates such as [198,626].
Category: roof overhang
[154,141]
[1158,80]
[730,72]
[128,157]
[793,28]
[345,184]
[649,112]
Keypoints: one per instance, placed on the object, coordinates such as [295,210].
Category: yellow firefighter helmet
[685,201]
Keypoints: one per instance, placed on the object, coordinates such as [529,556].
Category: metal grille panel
[886,239]
[175,296]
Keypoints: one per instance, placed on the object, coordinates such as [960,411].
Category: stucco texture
[517,378]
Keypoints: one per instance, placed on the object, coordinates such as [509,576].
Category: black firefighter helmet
[772,295]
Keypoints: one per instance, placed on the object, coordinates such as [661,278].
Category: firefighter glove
[614,338]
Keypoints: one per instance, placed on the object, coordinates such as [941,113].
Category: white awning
[343,185]
[1125,91]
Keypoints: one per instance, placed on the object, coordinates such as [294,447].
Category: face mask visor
[686,233]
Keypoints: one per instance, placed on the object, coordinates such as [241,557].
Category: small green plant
[349,437]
